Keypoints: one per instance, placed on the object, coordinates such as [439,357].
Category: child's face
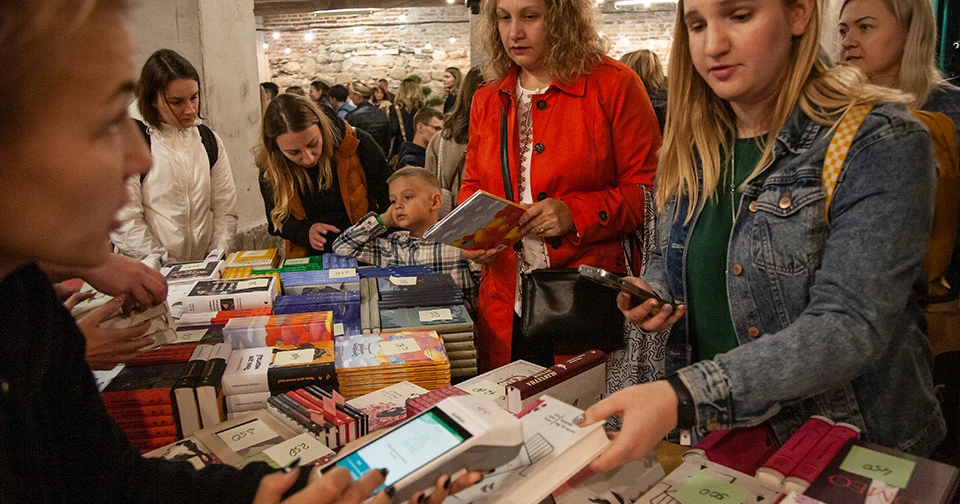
[414,205]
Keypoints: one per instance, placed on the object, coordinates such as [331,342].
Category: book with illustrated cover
[443,319]
[264,258]
[482,222]
[369,362]
[246,439]
[279,369]
[212,296]
[387,406]
[192,271]
[273,330]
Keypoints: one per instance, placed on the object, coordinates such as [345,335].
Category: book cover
[188,449]
[384,350]
[209,387]
[192,271]
[443,319]
[275,330]
[266,258]
[482,222]
[406,270]
[246,402]
[212,296]
[864,472]
[580,381]
[387,406]
[303,261]
[320,281]
[142,386]
[280,369]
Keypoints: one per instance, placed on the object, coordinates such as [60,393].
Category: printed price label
[338,329]
[253,254]
[438,315]
[189,336]
[254,283]
[246,435]
[403,280]
[872,464]
[703,489]
[486,388]
[343,272]
[394,347]
[305,446]
[292,357]
[193,266]
[296,262]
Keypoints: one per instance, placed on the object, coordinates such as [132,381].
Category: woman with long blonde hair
[317,176]
[581,138]
[771,318]
[409,100]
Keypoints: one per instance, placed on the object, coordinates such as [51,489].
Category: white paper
[189,336]
[253,283]
[343,272]
[246,435]
[486,388]
[293,357]
[193,266]
[305,446]
[394,347]
[403,280]
[436,315]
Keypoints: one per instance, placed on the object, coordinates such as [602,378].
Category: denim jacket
[823,313]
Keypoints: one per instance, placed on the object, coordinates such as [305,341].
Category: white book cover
[582,390]
[493,383]
[554,450]
[247,402]
[211,296]
[247,371]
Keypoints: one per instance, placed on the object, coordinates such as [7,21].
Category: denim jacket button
[713,425]
[754,332]
[785,202]
[737,269]
[752,206]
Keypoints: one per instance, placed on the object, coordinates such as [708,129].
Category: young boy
[414,207]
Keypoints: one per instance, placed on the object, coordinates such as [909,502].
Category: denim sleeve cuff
[712,394]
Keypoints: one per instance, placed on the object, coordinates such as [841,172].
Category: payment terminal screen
[408,448]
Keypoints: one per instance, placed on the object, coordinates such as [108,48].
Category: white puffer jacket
[183,208]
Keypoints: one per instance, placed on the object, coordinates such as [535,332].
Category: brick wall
[423,42]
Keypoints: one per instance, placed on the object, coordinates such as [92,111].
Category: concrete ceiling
[263,7]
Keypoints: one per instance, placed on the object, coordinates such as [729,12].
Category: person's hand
[480,256]
[318,234]
[387,217]
[547,218]
[648,412]
[334,486]
[121,276]
[649,315]
[108,347]
[446,487]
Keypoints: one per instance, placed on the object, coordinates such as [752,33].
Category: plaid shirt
[368,241]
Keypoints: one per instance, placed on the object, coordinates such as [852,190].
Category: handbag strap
[837,150]
[504,151]
[403,130]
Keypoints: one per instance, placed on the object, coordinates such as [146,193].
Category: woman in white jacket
[187,204]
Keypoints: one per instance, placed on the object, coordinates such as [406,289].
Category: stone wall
[424,41]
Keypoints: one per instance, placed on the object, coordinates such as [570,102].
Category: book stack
[368,362]
[249,272]
[325,280]
[254,374]
[409,270]
[212,296]
[272,330]
[369,306]
[265,258]
[579,381]
[452,323]
[302,263]
[189,272]
[184,340]
[345,307]
[221,318]
[425,290]
[139,399]
[387,407]
[320,413]
[334,261]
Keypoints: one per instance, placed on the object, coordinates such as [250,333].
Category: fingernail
[390,491]
[579,419]
[384,471]
[292,465]
[446,484]
[668,309]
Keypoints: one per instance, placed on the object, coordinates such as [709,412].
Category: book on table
[387,407]
[369,362]
[230,294]
[482,222]
[580,381]
[279,369]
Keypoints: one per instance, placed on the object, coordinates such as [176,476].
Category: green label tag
[702,489]
[871,464]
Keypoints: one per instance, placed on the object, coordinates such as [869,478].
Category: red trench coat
[595,143]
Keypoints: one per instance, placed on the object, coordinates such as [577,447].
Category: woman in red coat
[582,141]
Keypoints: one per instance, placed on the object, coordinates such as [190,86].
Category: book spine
[463,372]
[302,416]
[136,398]
[555,374]
[146,421]
[151,431]
[453,355]
[374,307]
[803,474]
[365,306]
[777,467]
[136,412]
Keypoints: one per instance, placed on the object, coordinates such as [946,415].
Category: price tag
[872,464]
[305,446]
[401,346]
[293,357]
[343,272]
[296,262]
[403,280]
[703,489]
[486,388]
[253,283]
[437,315]
[246,435]
[193,266]
[252,254]
[190,336]
[338,329]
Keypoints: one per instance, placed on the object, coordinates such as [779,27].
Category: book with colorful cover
[266,258]
[387,406]
[279,369]
[482,222]
[273,330]
[355,353]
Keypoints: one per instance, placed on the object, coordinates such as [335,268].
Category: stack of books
[302,263]
[181,345]
[264,258]
[221,318]
[387,407]
[140,400]
[334,261]
[198,393]
[425,290]
[368,362]
[410,270]
[254,374]
[345,307]
[320,413]
[325,280]
[212,296]
[273,330]
[454,325]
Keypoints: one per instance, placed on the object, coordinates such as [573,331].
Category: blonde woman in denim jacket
[807,317]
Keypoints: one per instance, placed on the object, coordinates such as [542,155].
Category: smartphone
[605,278]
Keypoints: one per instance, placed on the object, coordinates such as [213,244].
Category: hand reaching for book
[107,347]
[318,234]
[141,285]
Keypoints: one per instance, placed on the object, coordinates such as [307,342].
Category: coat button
[603,215]
[538,148]
[541,104]
[752,206]
[737,269]
[541,196]
[619,261]
[784,202]
[754,332]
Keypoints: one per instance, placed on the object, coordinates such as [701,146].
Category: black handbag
[560,310]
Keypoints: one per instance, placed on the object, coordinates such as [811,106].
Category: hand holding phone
[605,278]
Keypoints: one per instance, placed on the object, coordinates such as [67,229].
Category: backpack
[206,137]
[946,210]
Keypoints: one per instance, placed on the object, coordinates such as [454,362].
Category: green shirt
[708,308]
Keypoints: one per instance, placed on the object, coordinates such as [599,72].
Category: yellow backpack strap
[837,151]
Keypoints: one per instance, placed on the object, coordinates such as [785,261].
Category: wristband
[686,409]
[379,219]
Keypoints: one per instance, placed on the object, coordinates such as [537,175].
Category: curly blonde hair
[573,46]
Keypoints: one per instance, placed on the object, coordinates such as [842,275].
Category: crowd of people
[769,273]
